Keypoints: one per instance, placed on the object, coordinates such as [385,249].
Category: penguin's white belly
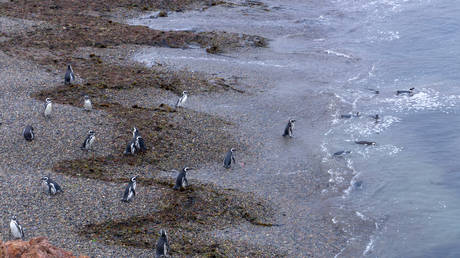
[91,141]
[15,231]
[130,195]
[88,105]
[48,110]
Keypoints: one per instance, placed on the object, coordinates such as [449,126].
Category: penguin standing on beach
[289,128]
[229,157]
[69,76]
[181,180]
[28,133]
[162,245]
[16,229]
[87,103]
[130,148]
[182,99]
[48,107]
[130,190]
[89,140]
[50,186]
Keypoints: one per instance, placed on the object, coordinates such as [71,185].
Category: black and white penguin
[69,75]
[289,128]
[408,92]
[50,186]
[140,144]
[356,114]
[341,153]
[365,143]
[28,133]
[162,245]
[181,180]
[182,99]
[87,106]
[130,190]
[229,157]
[16,229]
[48,107]
[89,140]
[130,148]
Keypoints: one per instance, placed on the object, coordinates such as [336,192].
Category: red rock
[36,247]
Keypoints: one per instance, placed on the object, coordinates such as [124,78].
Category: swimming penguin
[48,107]
[28,133]
[365,143]
[16,230]
[357,114]
[376,118]
[162,245]
[130,190]
[341,153]
[130,148]
[89,140]
[409,92]
[87,103]
[69,76]
[289,128]
[50,186]
[229,157]
[181,180]
[140,144]
[182,99]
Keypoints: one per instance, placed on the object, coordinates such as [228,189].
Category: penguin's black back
[58,187]
[160,249]
[179,178]
[28,133]
[228,159]
[286,130]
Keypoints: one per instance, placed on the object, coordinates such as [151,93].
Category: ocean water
[398,198]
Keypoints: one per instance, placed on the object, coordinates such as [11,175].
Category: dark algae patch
[188,216]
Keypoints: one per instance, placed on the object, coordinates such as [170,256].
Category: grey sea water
[405,189]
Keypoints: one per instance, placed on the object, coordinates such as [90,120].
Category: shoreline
[322,239]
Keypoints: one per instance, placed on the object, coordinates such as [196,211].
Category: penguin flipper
[233,158]
[134,192]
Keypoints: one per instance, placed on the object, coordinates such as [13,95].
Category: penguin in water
[229,157]
[357,114]
[182,99]
[181,180]
[409,92]
[289,128]
[87,103]
[28,133]
[162,245]
[48,107]
[341,153]
[69,76]
[50,186]
[16,229]
[365,143]
[89,140]
[130,190]
[130,148]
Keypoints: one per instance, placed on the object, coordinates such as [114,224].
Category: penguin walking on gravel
[50,186]
[87,106]
[130,148]
[130,190]
[48,107]
[182,99]
[289,128]
[69,75]
[28,133]
[89,140]
[162,247]
[181,180]
[229,158]
[16,229]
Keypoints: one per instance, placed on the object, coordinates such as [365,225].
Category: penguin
[181,180]
[289,128]
[87,103]
[16,230]
[130,190]
[50,186]
[48,107]
[409,92]
[182,99]
[365,143]
[376,117]
[69,76]
[89,140]
[28,133]
[130,148]
[341,153]
[229,157]
[357,114]
[162,245]
[140,144]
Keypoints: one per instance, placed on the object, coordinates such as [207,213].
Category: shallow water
[325,59]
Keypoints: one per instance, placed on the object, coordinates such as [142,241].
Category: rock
[35,247]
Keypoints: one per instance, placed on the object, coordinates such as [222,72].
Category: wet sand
[243,101]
